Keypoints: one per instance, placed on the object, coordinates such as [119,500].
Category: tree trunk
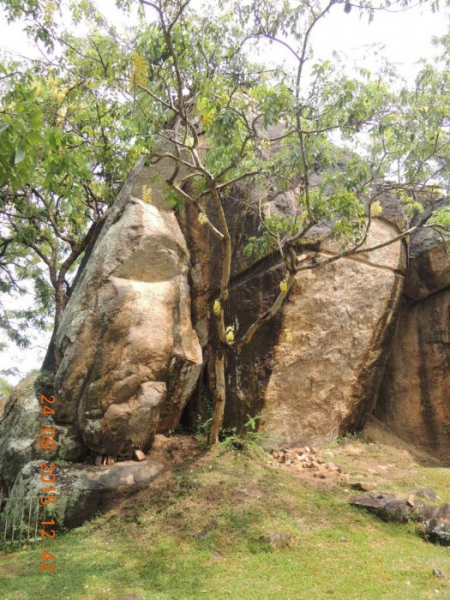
[60,305]
[220,397]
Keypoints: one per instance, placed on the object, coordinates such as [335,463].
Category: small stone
[410,500]
[307,449]
[438,573]
[427,494]
[138,455]
[332,467]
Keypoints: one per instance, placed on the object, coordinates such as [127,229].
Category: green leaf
[19,156]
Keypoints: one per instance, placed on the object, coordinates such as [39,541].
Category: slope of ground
[202,531]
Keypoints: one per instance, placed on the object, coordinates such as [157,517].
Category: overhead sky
[403,37]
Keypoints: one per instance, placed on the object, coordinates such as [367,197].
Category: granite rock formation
[81,490]
[415,394]
[20,427]
[129,357]
[340,317]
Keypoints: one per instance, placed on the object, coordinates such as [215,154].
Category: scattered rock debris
[305,460]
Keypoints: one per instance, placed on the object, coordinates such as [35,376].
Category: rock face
[19,430]
[80,490]
[340,317]
[429,266]
[20,426]
[414,397]
[435,519]
[129,355]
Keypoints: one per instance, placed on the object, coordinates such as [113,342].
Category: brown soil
[173,451]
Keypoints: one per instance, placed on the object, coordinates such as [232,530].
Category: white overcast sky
[403,37]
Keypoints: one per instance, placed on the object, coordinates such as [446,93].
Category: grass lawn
[196,532]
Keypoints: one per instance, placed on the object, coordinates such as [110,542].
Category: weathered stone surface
[414,396]
[79,489]
[130,357]
[427,494]
[20,426]
[340,317]
[19,430]
[388,507]
[438,530]
[325,382]
[429,265]
[435,519]
[374,500]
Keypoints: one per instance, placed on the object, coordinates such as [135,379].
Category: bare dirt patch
[173,451]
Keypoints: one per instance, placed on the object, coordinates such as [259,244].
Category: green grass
[149,544]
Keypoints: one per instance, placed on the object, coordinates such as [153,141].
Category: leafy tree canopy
[68,138]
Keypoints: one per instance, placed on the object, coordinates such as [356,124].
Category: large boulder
[129,357]
[80,490]
[414,396]
[340,317]
[429,265]
[20,429]
[435,519]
